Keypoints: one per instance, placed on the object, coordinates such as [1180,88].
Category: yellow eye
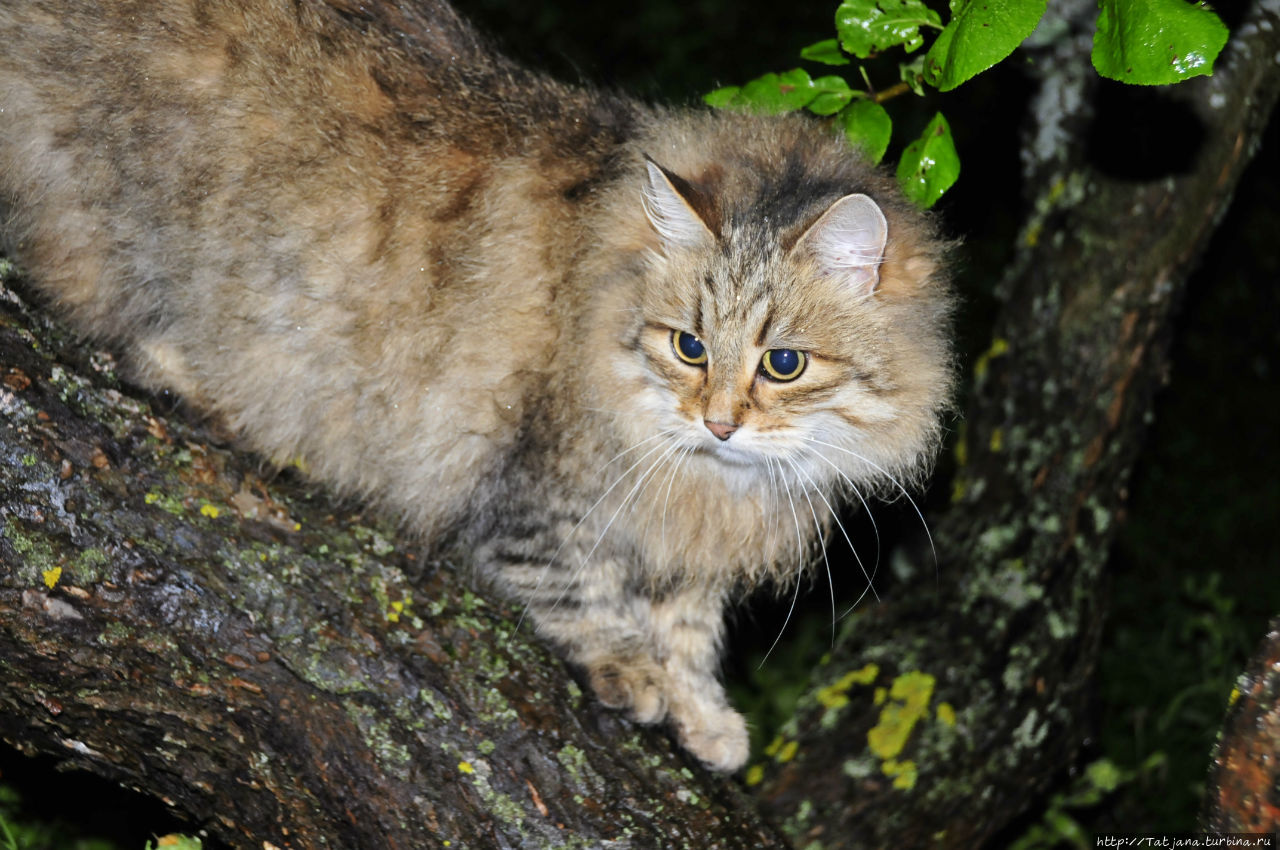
[783,364]
[688,348]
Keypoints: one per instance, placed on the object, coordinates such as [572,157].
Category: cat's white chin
[735,455]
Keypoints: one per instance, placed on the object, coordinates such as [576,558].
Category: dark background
[1196,572]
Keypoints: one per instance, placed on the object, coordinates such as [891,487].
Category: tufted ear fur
[848,242]
[670,202]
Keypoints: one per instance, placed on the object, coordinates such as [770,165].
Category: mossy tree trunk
[278,667]
[293,674]
[940,716]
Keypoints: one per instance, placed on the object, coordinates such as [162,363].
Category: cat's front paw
[715,734]
[636,687]
[707,728]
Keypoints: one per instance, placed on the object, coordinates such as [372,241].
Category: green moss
[33,549]
[1030,733]
[858,768]
[497,709]
[390,753]
[498,804]
[438,708]
[574,761]
[88,566]
[115,634]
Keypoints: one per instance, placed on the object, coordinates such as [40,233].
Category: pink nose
[722,430]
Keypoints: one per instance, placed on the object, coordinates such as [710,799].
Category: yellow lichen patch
[903,773]
[209,510]
[1231,700]
[788,751]
[465,767]
[836,694]
[1033,234]
[999,348]
[1056,191]
[880,695]
[997,439]
[755,774]
[151,498]
[774,746]
[946,714]
[962,444]
[397,608]
[909,700]
[51,577]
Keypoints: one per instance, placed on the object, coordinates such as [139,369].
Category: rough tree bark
[279,667]
[937,718]
[293,674]
[1244,777]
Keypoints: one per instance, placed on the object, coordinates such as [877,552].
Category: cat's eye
[688,348]
[783,364]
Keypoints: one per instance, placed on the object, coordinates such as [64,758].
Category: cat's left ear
[679,213]
[848,242]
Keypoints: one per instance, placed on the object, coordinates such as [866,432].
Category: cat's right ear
[848,241]
[671,205]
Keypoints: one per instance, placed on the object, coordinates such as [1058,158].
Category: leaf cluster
[1145,42]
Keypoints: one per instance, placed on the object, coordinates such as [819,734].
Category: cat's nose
[722,430]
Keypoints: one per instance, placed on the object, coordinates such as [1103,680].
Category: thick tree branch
[937,719]
[278,667]
[1244,779]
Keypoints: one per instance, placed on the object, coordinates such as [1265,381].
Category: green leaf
[827,52]
[1156,42]
[980,34]
[870,26]
[912,73]
[770,94]
[867,126]
[722,97]
[930,164]
[833,94]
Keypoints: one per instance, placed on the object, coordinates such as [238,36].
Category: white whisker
[666,500]
[799,563]
[644,476]
[895,482]
[656,436]
[773,489]
[616,481]
[817,526]
[870,577]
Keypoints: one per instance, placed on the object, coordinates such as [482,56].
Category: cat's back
[172,110]
[312,218]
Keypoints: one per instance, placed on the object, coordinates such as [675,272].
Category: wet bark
[291,673]
[939,717]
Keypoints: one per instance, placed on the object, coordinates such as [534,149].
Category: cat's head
[787,322]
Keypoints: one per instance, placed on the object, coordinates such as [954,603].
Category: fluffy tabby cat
[630,356]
